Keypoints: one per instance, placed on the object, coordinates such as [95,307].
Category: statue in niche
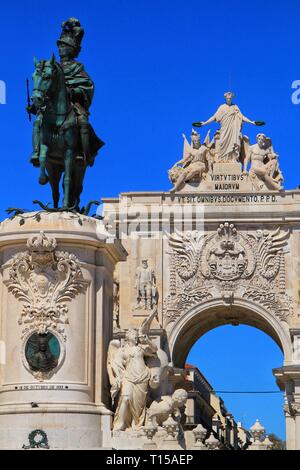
[116,303]
[159,411]
[264,169]
[231,120]
[145,284]
[130,377]
[42,352]
[194,164]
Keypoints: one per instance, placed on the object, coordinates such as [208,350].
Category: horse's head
[43,80]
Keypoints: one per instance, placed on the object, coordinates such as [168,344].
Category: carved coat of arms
[44,279]
[227,255]
[224,264]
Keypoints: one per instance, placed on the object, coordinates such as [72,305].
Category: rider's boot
[43,179]
[85,142]
[35,157]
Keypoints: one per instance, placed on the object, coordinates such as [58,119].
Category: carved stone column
[293,412]
[56,312]
[290,428]
[288,379]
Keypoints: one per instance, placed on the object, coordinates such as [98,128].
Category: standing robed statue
[231,121]
[64,142]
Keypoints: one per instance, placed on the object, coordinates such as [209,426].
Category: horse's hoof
[35,160]
[91,161]
[43,180]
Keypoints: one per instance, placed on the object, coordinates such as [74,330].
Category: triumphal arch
[98,314]
[221,247]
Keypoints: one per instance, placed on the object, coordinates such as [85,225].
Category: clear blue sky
[241,358]
[157,65]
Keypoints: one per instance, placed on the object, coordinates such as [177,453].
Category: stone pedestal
[224,177]
[128,440]
[56,286]
[150,445]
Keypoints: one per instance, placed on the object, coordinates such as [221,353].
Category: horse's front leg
[69,158]
[43,179]
[54,174]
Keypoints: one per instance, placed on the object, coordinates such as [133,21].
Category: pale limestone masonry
[68,295]
[220,257]
[58,281]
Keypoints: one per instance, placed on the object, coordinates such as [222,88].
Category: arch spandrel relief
[228,264]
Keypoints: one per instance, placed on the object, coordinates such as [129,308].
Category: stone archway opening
[201,319]
[237,361]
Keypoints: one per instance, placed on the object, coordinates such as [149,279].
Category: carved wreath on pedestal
[38,439]
[227,263]
[45,279]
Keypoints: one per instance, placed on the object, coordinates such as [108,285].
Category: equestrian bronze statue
[64,142]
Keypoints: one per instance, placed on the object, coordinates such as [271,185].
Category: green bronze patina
[64,142]
[42,352]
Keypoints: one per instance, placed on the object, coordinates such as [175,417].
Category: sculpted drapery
[231,120]
[134,388]
[130,376]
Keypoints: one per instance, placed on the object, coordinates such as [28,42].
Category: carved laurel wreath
[37,440]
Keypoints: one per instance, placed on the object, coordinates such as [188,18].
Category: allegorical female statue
[231,119]
[130,377]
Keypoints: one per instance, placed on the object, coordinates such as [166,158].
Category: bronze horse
[60,151]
